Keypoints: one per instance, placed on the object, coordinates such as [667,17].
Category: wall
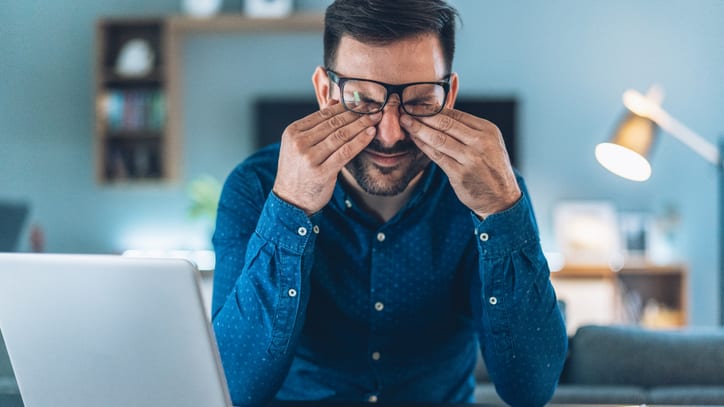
[567,61]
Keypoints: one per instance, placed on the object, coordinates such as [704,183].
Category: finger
[347,151]
[342,126]
[338,138]
[492,137]
[468,119]
[448,123]
[444,161]
[319,116]
[434,138]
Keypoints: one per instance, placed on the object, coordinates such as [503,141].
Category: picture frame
[587,232]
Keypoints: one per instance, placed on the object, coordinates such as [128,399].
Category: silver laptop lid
[87,330]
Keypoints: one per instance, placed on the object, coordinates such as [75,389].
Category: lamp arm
[643,106]
[689,138]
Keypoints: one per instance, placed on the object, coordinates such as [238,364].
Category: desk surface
[402,404]
[350,404]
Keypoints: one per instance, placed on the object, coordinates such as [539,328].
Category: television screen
[273,115]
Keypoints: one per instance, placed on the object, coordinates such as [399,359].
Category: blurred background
[566,64]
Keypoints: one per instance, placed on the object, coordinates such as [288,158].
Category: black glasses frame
[390,90]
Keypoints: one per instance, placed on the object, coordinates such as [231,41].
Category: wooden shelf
[134,135]
[130,134]
[651,295]
[603,271]
[153,78]
[239,22]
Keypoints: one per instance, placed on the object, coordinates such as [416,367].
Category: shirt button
[348,203]
[292,292]
[372,399]
[380,237]
[376,356]
[492,300]
[484,237]
[315,229]
[379,306]
[302,231]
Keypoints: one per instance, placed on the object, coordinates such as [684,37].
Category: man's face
[392,159]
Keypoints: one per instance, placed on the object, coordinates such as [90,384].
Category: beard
[387,181]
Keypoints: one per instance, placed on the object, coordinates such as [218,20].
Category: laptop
[12,218]
[95,330]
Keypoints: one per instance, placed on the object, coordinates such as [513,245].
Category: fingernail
[406,120]
[376,116]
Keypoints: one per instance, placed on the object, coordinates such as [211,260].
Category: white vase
[201,8]
[268,8]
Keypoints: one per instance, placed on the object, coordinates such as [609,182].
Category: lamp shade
[626,153]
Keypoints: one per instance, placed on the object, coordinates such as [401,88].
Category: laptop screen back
[87,330]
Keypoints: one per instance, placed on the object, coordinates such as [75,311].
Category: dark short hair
[381,22]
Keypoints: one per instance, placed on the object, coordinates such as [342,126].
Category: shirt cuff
[502,233]
[286,226]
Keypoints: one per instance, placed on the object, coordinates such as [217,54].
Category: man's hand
[471,152]
[314,150]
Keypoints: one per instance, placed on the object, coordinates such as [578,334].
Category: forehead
[413,59]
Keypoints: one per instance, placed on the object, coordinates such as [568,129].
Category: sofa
[631,365]
[9,394]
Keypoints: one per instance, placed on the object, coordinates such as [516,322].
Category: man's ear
[452,94]
[320,80]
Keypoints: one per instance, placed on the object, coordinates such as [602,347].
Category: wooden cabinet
[131,141]
[138,120]
[648,295]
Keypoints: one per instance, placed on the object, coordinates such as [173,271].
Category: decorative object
[201,8]
[268,8]
[635,235]
[204,193]
[626,153]
[135,59]
[587,233]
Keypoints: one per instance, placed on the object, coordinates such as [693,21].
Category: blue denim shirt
[342,306]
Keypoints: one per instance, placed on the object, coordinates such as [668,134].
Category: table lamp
[626,153]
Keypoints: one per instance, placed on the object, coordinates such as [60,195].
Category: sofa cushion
[481,372]
[485,394]
[5,369]
[11,400]
[611,355]
[8,386]
[590,394]
[687,395]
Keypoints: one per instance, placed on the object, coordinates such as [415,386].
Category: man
[367,256]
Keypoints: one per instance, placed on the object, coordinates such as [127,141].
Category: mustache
[402,146]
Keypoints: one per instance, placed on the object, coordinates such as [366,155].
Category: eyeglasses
[366,96]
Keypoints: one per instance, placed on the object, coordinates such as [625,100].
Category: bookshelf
[139,119]
[653,296]
[131,143]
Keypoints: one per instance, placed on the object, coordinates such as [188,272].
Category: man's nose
[389,131]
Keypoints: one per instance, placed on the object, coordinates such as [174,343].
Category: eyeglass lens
[369,97]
